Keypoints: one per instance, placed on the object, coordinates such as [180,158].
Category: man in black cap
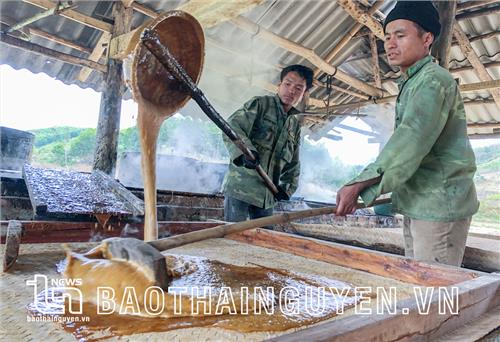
[428,163]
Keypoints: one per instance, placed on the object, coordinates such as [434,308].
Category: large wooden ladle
[159,95]
[180,62]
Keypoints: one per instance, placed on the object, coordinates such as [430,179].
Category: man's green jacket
[275,135]
[428,162]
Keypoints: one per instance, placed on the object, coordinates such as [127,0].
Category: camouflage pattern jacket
[275,135]
[428,162]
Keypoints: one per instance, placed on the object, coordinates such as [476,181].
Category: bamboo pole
[96,54]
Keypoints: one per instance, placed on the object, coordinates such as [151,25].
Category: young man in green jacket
[428,163]
[270,127]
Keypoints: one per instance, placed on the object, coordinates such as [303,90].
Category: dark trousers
[237,211]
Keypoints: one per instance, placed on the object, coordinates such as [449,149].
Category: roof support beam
[388,99]
[464,88]
[441,47]
[60,56]
[375,64]
[362,17]
[473,58]
[470,67]
[74,15]
[101,46]
[479,13]
[485,125]
[58,40]
[47,13]
[307,53]
[347,38]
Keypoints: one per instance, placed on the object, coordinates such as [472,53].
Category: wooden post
[108,127]
[442,45]
[358,14]
[375,64]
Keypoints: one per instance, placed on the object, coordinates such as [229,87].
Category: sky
[30,101]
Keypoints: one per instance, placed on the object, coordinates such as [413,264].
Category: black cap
[421,12]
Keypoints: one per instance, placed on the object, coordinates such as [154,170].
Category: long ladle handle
[225,229]
[152,42]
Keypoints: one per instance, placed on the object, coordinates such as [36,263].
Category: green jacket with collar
[428,162]
[275,135]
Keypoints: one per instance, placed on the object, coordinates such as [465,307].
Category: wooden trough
[477,293]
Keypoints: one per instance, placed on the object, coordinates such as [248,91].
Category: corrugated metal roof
[232,73]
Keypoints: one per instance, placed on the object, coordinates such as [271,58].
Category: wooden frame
[477,293]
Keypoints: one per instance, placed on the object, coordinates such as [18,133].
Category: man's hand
[347,199]
[249,164]
[281,195]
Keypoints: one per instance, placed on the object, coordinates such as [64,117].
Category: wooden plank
[60,231]
[144,10]
[74,15]
[475,298]
[473,58]
[39,33]
[442,44]
[479,86]
[95,55]
[112,185]
[375,64]
[392,241]
[492,125]
[474,4]
[60,56]
[39,207]
[361,16]
[309,54]
[476,329]
[379,263]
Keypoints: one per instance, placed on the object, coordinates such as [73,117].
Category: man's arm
[423,121]
[347,196]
